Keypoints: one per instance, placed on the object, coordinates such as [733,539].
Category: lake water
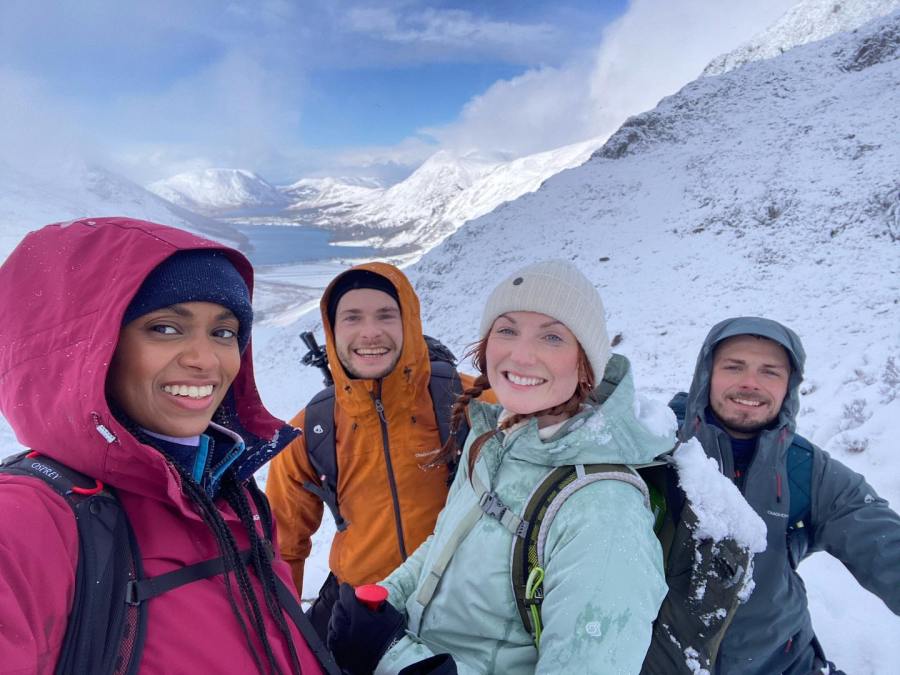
[284,245]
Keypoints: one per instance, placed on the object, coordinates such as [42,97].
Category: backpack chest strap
[145,589]
[488,504]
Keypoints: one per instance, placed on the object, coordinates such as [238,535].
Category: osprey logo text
[318,429]
[46,470]
[777,514]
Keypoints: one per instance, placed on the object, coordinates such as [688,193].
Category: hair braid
[451,451]
[228,549]
[262,564]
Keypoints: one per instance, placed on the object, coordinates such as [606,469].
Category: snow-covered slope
[807,21]
[213,191]
[75,189]
[309,193]
[449,189]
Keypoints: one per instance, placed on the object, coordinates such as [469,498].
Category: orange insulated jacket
[388,496]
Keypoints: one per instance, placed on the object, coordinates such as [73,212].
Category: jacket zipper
[392,481]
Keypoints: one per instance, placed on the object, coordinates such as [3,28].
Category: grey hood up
[772,632]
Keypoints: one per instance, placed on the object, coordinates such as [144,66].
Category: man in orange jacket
[385,436]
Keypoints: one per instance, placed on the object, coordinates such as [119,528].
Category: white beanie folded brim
[558,289]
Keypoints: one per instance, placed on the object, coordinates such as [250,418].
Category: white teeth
[524,381]
[372,352]
[744,401]
[191,391]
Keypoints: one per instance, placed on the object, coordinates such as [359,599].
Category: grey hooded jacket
[772,631]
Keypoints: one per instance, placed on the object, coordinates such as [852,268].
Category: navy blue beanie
[353,280]
[198,275]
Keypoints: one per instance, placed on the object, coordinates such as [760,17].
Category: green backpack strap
[527,556]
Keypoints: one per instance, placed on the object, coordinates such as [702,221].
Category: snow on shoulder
[722,511]
[656,416]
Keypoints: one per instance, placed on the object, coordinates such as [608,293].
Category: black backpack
[107,624]
[443,387]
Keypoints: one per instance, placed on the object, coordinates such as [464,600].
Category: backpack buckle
[492,506]
[131,594]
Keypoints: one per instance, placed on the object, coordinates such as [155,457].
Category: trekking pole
[316,356]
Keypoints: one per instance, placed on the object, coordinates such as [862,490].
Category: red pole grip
[371,595]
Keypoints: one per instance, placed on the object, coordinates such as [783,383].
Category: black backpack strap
[799,473]
[322,452]
[104,634]
[444,387]
[291,605]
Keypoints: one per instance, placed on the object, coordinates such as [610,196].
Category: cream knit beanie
[558,289]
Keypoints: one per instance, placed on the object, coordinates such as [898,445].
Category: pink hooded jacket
[63,292]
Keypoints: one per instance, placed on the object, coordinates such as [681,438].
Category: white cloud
[451,29]
[656,47]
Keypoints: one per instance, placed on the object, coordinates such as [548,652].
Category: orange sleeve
[297,512]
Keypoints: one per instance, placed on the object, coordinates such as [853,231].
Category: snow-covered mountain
[312,193]
[807,21]
[444,192]
[214,191]
[770,190]
[448,190]
[74,189]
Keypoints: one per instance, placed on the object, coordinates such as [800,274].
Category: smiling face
[749,382]
[532,363]
[368,333]
[172,367]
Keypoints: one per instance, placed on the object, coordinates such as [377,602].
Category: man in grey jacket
[742,407]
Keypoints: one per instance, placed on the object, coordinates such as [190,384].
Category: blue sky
[291,88]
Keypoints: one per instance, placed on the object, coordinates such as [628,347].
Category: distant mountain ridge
[807,21]
[77,189]
[407,218]
[214,191]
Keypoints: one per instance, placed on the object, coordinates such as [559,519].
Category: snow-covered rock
[807,21]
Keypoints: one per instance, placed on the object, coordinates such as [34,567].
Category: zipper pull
[379,408]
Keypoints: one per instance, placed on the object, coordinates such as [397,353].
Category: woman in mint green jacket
[543,338]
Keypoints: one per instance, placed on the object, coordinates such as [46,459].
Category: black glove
[705,579]
[439,664]
[358,636]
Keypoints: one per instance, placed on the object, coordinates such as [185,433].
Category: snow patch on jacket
[722,512]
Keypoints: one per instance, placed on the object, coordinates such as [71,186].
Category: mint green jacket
[604,578]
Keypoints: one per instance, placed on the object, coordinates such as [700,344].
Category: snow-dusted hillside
[442,195]
[213,191]
[807,21]
[324,193]
[75,189]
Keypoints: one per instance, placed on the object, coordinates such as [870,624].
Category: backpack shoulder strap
[545,501]
[104,633]
[799,471]
[445,386]
[322,452]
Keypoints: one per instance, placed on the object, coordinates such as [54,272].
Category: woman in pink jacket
[124,355]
